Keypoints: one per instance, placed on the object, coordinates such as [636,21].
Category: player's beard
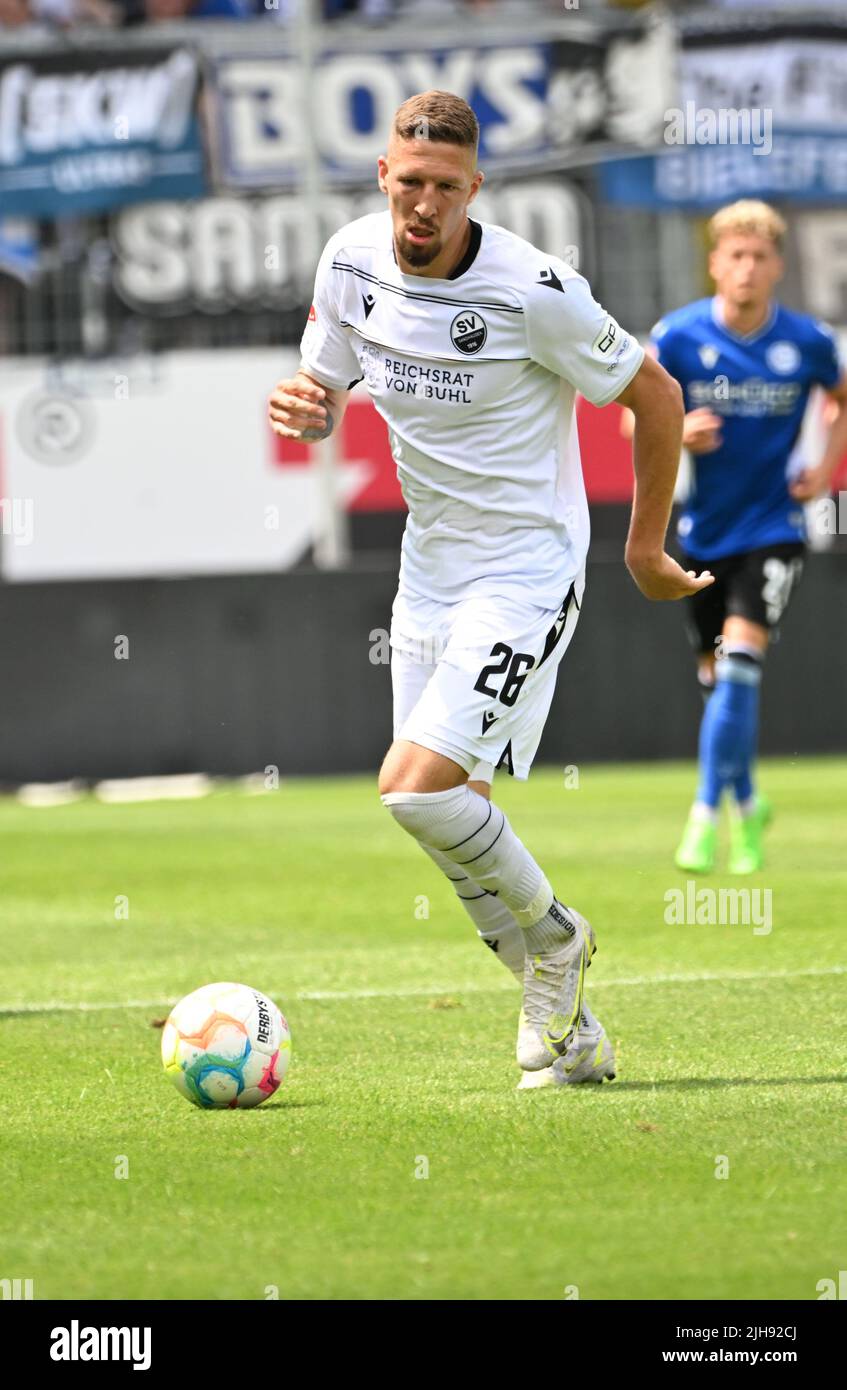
[419,255]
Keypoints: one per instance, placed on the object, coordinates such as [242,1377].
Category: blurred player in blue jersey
[746,366]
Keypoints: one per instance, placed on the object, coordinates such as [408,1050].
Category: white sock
[491,917]
[746,807]
[494,922]
[475,835]
[700,811]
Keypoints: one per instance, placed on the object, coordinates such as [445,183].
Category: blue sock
[729,728]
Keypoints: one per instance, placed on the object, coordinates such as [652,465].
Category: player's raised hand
[296,408]
[701,431]
[660,577]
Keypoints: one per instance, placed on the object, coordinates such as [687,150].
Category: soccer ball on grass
[226,1046]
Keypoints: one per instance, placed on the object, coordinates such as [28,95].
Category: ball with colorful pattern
[226,1047]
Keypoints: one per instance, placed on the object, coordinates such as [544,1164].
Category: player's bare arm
[701,429]
[301,408]
[655,400]
[814,482]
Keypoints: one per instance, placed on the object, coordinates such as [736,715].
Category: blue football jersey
[759,385]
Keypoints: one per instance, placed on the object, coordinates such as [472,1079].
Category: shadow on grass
[262,1109]
[714,1082]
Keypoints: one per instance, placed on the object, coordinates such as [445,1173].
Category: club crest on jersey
[708,356]
[783,357]
[312,315]
[468,332]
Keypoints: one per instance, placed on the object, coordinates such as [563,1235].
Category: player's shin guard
[476,836]
[729,729]
[491,917]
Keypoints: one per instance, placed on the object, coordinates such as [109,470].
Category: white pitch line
[624,982]
[340,996]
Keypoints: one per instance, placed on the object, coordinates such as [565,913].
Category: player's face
[745,269]
[429,186]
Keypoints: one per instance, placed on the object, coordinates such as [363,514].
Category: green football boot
[696,851]
[746,854]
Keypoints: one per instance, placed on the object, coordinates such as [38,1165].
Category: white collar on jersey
[718,318]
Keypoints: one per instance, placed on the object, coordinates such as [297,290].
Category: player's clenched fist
[701,431]
[296,409]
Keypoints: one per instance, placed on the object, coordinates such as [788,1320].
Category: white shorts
[474,680]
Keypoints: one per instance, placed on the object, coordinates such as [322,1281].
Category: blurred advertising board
[82,131]
[151,466]
[762,112]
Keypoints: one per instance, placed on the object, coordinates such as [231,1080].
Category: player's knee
[429,816]
[397,776]
[394,773]
[740,665]
[417,815]
[409,767]
[401,806]
[386,781]
[706,674]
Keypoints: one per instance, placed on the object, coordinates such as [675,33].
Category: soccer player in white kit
[472,344]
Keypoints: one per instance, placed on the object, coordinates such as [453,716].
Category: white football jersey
[475,376]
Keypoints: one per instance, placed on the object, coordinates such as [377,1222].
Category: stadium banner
[166,466]
[86,130]
[762,112]
[538,100]
[242,253]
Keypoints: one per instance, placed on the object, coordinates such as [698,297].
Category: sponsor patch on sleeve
[623,344]
[607,339]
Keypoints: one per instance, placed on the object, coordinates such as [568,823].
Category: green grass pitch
[732,1044]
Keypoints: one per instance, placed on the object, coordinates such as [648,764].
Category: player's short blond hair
[435,115]
[748,217]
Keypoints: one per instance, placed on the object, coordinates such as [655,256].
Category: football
[226,1046]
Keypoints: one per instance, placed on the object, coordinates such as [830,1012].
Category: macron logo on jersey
[550,279]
